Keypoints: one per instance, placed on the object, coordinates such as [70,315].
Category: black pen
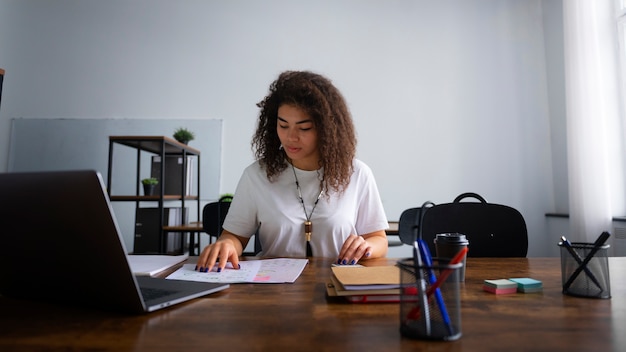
[568,245]
[596,247]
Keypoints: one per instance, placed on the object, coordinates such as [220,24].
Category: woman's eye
[281,126]
[305,128]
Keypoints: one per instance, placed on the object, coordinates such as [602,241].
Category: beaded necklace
[308,225]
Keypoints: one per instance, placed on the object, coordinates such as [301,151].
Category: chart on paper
[280,270]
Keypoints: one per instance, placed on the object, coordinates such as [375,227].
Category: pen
[423,297]
[568,245]
[431,277]
[414,313]
[596,247]
[444,275]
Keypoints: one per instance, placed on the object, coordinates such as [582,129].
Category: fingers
[354,248]
[220,252]
[207,258]
[234,260]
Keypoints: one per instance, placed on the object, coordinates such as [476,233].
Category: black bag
[493,230]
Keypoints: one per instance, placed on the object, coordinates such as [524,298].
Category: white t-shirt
[275,209]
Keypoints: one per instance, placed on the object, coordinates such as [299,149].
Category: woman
[306,193]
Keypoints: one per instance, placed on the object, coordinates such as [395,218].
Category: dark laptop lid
[60,242]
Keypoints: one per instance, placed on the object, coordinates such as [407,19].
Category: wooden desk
[298,317]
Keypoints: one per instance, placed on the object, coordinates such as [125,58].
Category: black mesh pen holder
[430,306]
[584,276]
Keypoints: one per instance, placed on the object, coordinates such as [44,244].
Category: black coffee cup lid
[451,237]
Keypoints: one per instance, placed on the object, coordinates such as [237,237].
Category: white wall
[447,96]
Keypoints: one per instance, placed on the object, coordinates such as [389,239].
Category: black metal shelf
[161,146]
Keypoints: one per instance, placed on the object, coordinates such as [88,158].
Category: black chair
[409,223]
[213,215]
[493,230]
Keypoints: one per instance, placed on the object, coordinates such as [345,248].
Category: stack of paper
[527,285]
[364,284]
[500,286]
[150,265]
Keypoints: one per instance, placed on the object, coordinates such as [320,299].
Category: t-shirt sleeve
[371,213]
[241,219]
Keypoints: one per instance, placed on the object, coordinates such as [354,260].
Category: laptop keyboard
[149,293]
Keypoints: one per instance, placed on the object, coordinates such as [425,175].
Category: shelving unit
[163,147]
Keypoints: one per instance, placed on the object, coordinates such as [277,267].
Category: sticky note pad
[500,286]
[499,291]
[501,283]
[527,285]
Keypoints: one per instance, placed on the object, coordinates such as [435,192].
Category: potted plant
[183,135]
[226,197]
[149,186]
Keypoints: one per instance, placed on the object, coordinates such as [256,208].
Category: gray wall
[448,96]
[66,144]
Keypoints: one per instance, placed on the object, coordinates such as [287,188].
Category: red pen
[414,313]
[456,260]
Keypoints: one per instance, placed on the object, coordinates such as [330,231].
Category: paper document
[281,270]
[153,264]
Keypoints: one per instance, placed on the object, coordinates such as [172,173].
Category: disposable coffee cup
[448,245]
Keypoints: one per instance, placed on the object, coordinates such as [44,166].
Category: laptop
[60,242]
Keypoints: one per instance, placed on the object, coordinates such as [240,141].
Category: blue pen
[431,277]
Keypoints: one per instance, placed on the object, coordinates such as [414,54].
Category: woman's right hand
[226,249]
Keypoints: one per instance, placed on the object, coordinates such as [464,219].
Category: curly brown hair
[323,102]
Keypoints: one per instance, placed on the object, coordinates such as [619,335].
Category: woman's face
[298,135]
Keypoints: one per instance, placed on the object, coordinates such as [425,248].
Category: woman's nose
[292,135]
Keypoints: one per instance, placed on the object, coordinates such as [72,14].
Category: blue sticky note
[527,285]
[526,282]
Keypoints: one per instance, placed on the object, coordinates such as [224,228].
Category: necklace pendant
[308,229]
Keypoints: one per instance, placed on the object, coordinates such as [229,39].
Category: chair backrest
[213,215]
[493,230]
[409,223]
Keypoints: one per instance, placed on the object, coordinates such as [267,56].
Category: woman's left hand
[371,245]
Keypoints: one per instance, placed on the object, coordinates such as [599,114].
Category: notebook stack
[361,284]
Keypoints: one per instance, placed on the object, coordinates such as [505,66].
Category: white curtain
[593,115]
